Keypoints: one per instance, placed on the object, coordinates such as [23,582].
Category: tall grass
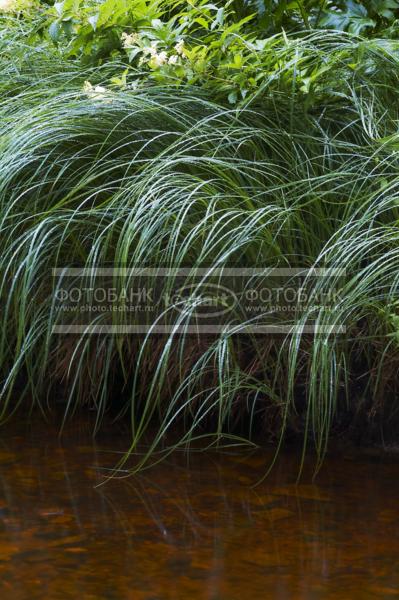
[159,176]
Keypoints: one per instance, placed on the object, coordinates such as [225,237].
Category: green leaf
[232,97]
[59,7]
[67,27]
[54,31]
[93,21]
[202,21]
[157,24]
[355,19]
[219,18]
[238,61]
[133,53]
[385,8]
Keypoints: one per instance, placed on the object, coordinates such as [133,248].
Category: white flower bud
[179,47]
[160,59]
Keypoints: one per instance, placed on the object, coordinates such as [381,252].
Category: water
[191,533]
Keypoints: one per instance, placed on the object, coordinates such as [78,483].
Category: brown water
[197,532]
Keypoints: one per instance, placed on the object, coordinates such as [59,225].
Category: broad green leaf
[54,31]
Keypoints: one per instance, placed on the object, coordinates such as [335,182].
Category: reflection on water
[197,532]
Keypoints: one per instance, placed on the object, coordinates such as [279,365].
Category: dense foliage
[225,47]
[236,134]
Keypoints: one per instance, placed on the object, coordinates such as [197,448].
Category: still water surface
[192,532]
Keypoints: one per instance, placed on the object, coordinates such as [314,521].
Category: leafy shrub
[226,49]
[222,48]
[370,17]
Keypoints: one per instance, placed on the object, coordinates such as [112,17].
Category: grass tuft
[159,176]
